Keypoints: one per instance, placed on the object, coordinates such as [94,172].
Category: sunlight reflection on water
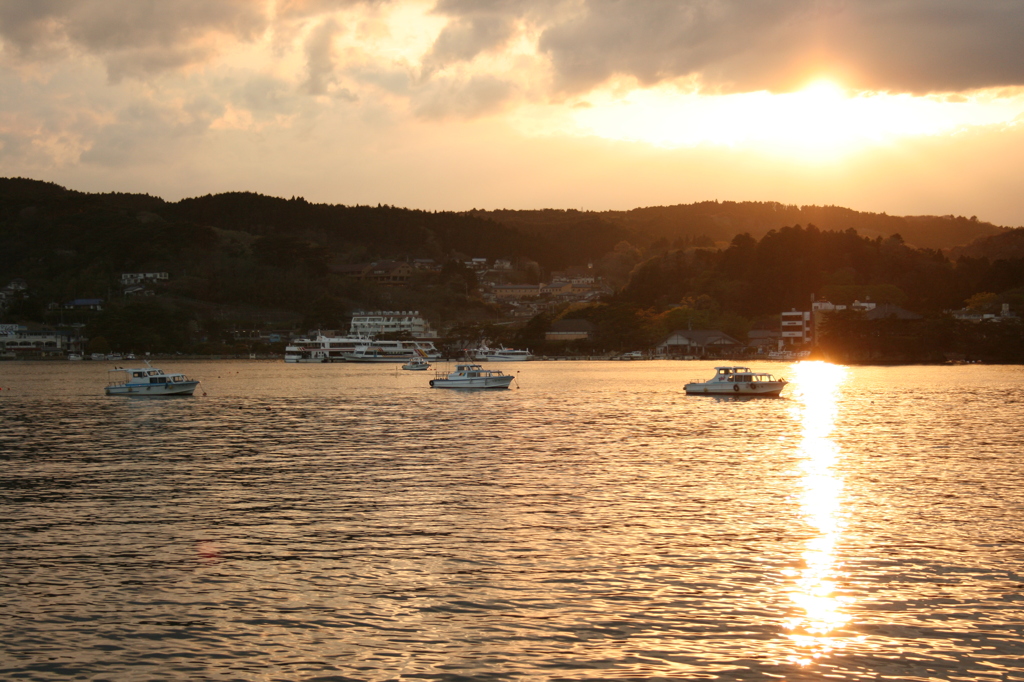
[816,386]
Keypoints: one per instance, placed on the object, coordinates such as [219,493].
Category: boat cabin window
[138,374]
[158,380]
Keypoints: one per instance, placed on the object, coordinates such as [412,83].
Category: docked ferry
[357,349]
[500,354]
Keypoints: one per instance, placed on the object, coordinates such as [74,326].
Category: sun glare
[822,120]
[818,610]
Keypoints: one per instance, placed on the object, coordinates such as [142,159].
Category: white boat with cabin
[501,354]
[417,365]
[471,376]
[737,381]
[148,381]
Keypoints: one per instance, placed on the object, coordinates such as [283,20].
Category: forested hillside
[243,260]
[720,221]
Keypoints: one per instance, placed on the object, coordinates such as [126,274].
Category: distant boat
[737,381]
[471,376]
[74,356]
[416,365]
[148,381]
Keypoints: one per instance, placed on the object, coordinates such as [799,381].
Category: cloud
[319,58]
[468,98]
[744,45]
[133,37]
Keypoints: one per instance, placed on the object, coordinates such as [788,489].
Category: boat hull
[477,382]
[769,388]
[177,388]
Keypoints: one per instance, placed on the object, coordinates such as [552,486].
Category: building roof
[702,337]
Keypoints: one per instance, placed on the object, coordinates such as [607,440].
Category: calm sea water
[348,522]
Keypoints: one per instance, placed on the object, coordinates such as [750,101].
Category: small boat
[471,376]
[74,356]
[148,380]
[416,365]
[737,381]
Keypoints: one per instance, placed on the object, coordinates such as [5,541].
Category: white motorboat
[501,354]
[471,376]
[417,365]
[74,356]
[737,381]
[148,381]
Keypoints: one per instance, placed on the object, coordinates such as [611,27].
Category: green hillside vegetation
[245,261]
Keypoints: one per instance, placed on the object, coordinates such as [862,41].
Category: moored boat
[149,381]
[737,381]
[471,376]
[417,365]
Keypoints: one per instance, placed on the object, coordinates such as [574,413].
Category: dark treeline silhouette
[241,259]
[720,221]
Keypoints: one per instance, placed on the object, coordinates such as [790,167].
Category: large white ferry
[322,348]
[362,344]
[500,354]
[392,351]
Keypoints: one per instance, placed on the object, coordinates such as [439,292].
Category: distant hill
[720,221]
[1005,245]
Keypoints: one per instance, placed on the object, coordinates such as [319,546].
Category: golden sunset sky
[902,106]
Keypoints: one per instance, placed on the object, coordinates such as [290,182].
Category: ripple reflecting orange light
[819,610]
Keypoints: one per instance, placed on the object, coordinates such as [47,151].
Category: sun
[822,122]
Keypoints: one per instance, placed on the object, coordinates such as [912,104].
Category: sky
[909,107]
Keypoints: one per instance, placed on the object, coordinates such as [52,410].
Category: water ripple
[341,522]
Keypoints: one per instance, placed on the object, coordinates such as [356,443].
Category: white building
[379,322]
[796,328]
[22,341]
[130,278]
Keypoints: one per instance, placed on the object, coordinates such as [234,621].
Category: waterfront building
[686,342]
[796,328]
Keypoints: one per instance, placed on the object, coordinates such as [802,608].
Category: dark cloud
[466,37]
[742,45]
[134,37]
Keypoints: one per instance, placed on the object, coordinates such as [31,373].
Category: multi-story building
[21,341]
[796,328]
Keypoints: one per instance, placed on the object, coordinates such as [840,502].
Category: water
[347,522]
